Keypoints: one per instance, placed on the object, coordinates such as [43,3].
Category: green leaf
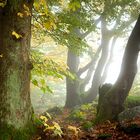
[43,82]
[43,89]
[49,89]
[35,82]
[74,5]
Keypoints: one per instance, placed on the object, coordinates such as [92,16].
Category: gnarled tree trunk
[15,105]
[112,103]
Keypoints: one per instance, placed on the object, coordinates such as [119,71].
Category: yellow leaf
[43,118]
[73,129]
[26,7]
[56,125]
[48,115]
[48,25]
[43,2]
[20,14]
[27,13]
[1,55]
[18,36]
[36,5]
[42,14]
[2,4]
[27,10]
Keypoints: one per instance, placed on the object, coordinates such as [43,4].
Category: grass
[132,101]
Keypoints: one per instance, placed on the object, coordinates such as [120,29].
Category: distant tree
[112,103]
[72,21]
[15,34]
[72,96]
[111,14]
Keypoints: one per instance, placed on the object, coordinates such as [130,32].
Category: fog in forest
[43,101]
[69,70]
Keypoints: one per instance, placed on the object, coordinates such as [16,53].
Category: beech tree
[111,103]
[70,24]
[109,14]
[15,34]
[72,97]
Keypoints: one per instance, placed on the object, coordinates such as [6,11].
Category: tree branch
[90,64]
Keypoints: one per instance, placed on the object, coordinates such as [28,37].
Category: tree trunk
[105,72]
[15,104]
[99,69]
[72,97]
[90,70]
[112,103]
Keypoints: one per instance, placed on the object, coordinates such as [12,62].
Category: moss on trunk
[15,104]
[9,133]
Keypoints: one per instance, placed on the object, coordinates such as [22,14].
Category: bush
[132,101]
[77,115]
[87,125]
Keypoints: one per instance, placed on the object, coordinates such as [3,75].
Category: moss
[102,93]
[104,136]
[77,115]
[8,132]
[14,85]
[132,101]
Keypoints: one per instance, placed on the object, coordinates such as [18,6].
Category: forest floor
[78,125]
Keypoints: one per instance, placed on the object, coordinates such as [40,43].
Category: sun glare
[115,65]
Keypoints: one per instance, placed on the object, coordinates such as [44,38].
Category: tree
[107,15]
[68,33]
[112,101]
[72,97]
[110,58]
[99,69]
[74,23]
[110,14]
[15,34]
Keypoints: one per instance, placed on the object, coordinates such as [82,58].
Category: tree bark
[99,69]
[72,86]
[112,103]
[15,104]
